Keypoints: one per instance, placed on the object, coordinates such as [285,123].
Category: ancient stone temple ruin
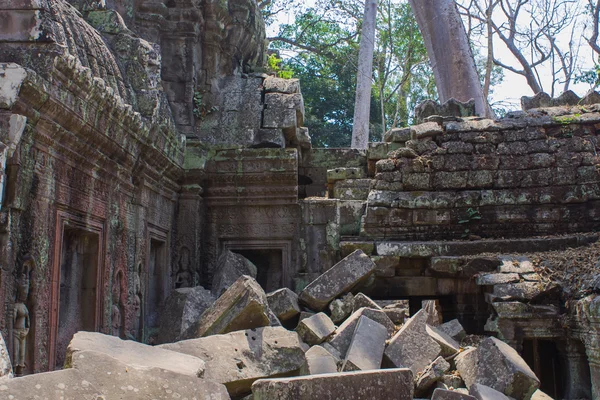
[158,189]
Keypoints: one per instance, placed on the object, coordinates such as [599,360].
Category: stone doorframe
[64,219]
[265,244]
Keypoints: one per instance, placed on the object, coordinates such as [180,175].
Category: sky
[514,86]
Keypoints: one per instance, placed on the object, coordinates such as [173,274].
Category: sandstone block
[441,394]
[118,380]
[284,304]
[341,308]
[539,395]
[239,358]
[367,346]
[280,85]
[434,372]
[134,353]
[398,135]
[482,392]
[412,347]
[342,336]
[230,266]
[339,279]
[499,366]
[68,384]
[434,312]
[319,361]
[520,291]
[268,138]
[380,384]
[495,279]
[448,345]
[361,300]
[453,329]
[315,329]
[182,309]
[243,306]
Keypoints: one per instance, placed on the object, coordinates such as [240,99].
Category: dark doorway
[78,287]
[269,265]
[543,358]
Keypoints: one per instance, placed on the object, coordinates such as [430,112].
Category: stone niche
[77,281]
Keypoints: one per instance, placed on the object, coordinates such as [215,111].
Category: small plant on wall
[201,110]
[472,215]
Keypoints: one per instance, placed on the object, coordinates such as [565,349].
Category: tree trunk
[449,52]
[364,78]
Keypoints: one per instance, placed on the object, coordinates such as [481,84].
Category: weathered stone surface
[412,347]
[398,135]
[367,346]
[279,85]
[239,358]
[268,138]
[182,309]
[449,346]
[482,392]
[315,329]
[434,372]
[134,353]
[242,306]
[495,279]
[116,379]
[442,394]
[380,384]
[453,329]
[5,364]
[361,300]
[341,308]
[499,366]
[319,361]
[339,279]
[520,291]
[68,384]
[284,304]
[539,395]
[342,336]
[434,312]
[230,266]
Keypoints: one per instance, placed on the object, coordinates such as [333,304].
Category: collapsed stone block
[453,329]
[337,280]
[340,309]
[239,358]
[379,384]
[367,346]
[448,345]
[442,394]
[434,372]
[230,266]
[284,304]
[63,384]
[342,336]
[434,312]
[412,347]
[319,361]
[499,366]
[182,309]
[116,379]
[134,353]
[315,329]
[243,306]
[280,85]
[482,392]
[495,279]
[361,300]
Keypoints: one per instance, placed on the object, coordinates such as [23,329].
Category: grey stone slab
[118,380]
[337,280]
[367,346]
[319,361]
[284,304]
[134,353]
[499,366]
[482,392]
[454,329]
[449,346]
[182,309]
[342,336]
[243,306]
[433,373]
[315,329]
[239,358]
[434,312]
[394,384]
[361,300]
[230,266]
[495,279]
[521,291]
[539,395]
[66,384]
[341,308]
[441,394]
[412,347]
[280,85]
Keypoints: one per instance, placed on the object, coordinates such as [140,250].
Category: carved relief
[136,333]
[184,276]
[117,312]
[21,320]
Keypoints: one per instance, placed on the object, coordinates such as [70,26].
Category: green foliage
[274,66]
[591,77]
[201,110]
[471,216]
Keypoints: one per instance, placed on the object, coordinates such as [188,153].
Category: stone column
[577,370]
[189,230]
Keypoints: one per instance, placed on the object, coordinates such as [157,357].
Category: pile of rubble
[338,346]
